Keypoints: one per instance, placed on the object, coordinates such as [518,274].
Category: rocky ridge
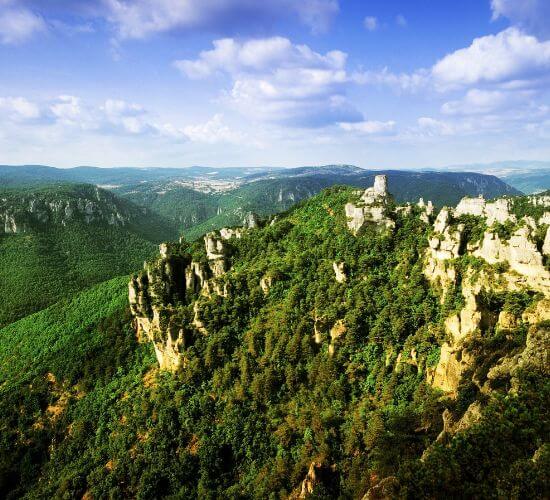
[487,263]
[20,213]
[456,264]
[172,280]
[373,207]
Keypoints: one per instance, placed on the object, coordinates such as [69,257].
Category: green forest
[273,388]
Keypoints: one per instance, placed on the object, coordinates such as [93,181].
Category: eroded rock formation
[521,268]
[373,207]
[91,205]
[171,281]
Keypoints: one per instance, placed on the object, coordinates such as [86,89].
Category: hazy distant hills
[57,240]
[265,193]
[198,199]
[527,176]
[27,174]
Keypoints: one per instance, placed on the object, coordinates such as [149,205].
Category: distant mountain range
[268,192]
[199,199]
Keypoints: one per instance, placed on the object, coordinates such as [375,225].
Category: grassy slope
[72,357]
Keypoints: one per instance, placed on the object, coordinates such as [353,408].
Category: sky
[174,83]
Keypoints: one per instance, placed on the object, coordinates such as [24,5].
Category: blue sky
[387,83]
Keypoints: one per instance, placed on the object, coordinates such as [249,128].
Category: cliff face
[487,262]
[373,207]
[491,264]
[173,280]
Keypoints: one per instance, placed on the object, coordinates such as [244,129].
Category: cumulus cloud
[66,108]
[509,60]
[69,113]
[18,24]
[69,116]
[141,18]
[258,55]
[370,23]
[510,57]
[370,127]
[533,16]
[275,80]
[479,101]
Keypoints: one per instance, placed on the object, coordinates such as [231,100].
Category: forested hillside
[57,240]
[314,355]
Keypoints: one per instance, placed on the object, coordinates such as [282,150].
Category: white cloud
[401,20]
[370,127]
[532,16]
[141,18]
[18,24]
[408,82]
[213,131]
[66,108]
[275,80]
[509,57]
[19,109]
[477,101]
[370,23]
[509,60]
[68,114]
[256,56]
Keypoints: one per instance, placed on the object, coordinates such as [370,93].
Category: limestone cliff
[488,265]
[172,280]
[22,211]
[505,254]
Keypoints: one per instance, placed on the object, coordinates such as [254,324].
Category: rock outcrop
[373,207]
[339,271]
[427,210]
[521,268]
[89,204]
[317,475]
[170,281]
[495,211]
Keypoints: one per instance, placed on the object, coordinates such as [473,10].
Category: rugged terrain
[351,347]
